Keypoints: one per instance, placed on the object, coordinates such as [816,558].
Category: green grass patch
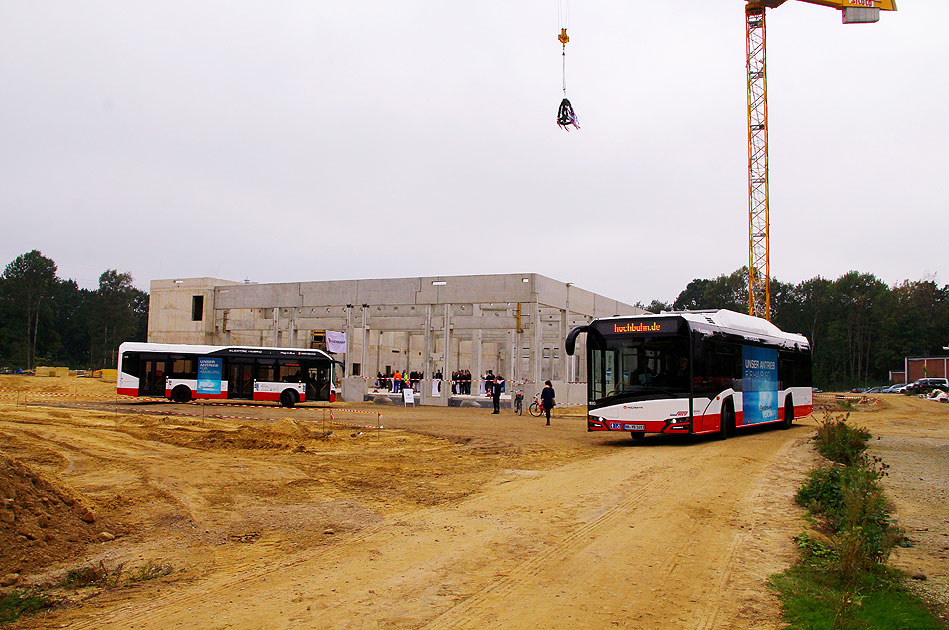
[24,601]
[814,598]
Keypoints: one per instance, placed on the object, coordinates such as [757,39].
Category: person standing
[547,396]
[496,387]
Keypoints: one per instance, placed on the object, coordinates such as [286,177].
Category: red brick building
[921,367]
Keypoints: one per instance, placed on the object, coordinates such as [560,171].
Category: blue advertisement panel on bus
[759,384]
[209,375]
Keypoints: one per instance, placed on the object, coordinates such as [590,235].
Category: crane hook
[563,37]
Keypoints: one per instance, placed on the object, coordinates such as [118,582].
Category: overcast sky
[321,140]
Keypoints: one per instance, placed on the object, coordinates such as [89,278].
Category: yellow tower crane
[759,273]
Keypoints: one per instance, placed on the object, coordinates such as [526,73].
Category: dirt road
[455,519]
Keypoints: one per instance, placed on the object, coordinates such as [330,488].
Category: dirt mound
[289,427]
[284,434]
[40,521]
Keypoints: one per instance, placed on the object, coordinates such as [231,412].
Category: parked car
[926,385]
[894,389]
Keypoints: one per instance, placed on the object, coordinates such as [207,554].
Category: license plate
[626,426]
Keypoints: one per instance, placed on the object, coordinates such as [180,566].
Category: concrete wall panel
[259,295]
[470,289]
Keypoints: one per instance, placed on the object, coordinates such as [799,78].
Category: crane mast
[759,272]
[759,264]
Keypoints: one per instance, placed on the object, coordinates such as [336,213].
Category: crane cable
[565,114]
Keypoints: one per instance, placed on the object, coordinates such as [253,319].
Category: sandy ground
[447,518]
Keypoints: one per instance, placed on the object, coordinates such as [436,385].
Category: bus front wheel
[288,398]
[181,394]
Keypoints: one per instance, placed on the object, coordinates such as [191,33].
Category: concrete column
[364,340]
[563,376]
[512,344]
[449,366]
[427,355]
[349,340]
[442,400]
[406,351]
[291,329]
[378,351]
[537,344]
[477,337]
[276,325]
[567,373]
[516,369]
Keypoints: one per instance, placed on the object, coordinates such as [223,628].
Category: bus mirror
[571,341]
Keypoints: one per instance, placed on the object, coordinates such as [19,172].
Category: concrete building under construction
[512,324]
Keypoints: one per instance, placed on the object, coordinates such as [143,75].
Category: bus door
[240,379]
[318,382]
[152,377]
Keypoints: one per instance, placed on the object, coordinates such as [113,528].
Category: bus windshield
[638,367]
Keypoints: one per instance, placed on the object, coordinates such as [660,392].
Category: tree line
[859,327]
[46,320]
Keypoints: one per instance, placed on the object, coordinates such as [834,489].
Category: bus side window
[265,371]
[785,372]
[184,368]
[290,372]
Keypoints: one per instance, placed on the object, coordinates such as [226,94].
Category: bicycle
[519,403]
[537,408]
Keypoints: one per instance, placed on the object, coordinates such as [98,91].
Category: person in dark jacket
[547,396]
[496,386]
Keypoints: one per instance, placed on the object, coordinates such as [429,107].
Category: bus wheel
[287,398]
[181,394]
[638,435]
[788,413]
[726,420]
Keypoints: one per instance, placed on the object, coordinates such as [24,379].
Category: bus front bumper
[671,425]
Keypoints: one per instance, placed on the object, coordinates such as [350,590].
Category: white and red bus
[693,372]
[184,372]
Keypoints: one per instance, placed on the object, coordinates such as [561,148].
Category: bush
[852,505]
[867,534]
[821,494]
[838,441]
